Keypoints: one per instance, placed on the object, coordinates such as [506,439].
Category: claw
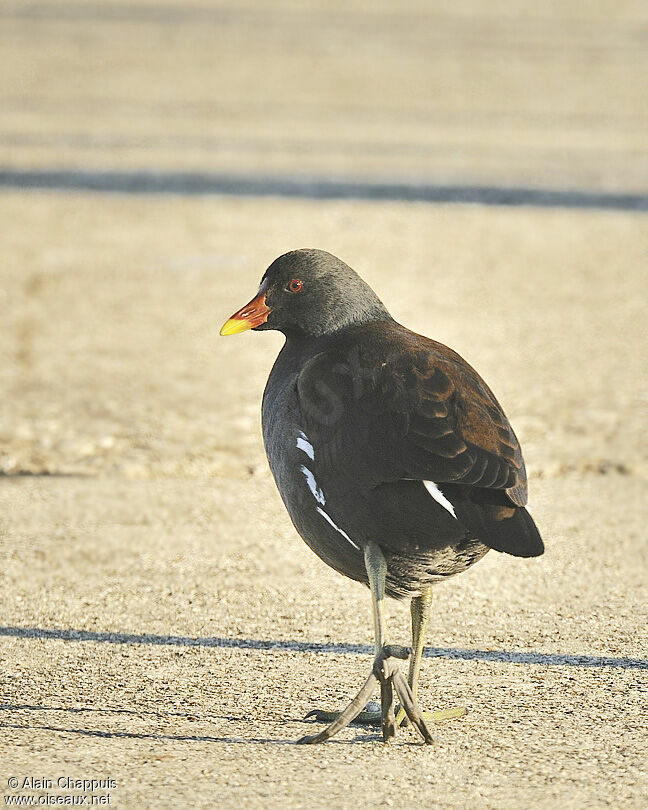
[350,713]
[319,714]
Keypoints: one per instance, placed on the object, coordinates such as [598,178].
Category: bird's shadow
[85,636]
[135,735]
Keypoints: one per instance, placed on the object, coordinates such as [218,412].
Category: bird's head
[308,293]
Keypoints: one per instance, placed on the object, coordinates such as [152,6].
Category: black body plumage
[375,433]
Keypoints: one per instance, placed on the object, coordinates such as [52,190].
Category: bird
[393,458]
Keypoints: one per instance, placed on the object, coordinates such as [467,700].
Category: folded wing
[421,412]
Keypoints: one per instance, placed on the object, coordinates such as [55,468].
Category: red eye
[295,285]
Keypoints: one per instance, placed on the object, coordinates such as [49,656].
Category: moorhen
[392,456]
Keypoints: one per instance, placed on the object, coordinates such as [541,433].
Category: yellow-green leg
[384,671]
[420,609]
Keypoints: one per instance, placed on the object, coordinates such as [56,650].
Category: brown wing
[455,417]
[409,407]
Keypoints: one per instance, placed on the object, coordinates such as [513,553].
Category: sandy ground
[162,623]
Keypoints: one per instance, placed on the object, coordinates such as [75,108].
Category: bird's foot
[371,715]
[386,672]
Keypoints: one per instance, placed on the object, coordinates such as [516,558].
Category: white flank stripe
[305,445]
[337,528]
[312,485]
[439,497]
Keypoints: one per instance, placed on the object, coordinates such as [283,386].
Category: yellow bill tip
[234,326]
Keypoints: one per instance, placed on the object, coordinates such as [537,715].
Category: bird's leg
[384,670]
[420,609]
[377,572]
[372,713]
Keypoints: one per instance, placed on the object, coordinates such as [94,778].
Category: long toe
[371,715]
[442,715]
[439,716]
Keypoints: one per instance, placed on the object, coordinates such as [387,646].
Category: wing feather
[417,411]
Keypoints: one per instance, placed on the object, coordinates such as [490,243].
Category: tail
[504,528]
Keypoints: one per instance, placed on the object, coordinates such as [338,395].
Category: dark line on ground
[300,187]
[132,735]
[495,656]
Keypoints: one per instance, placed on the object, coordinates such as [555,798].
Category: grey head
[313,293]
